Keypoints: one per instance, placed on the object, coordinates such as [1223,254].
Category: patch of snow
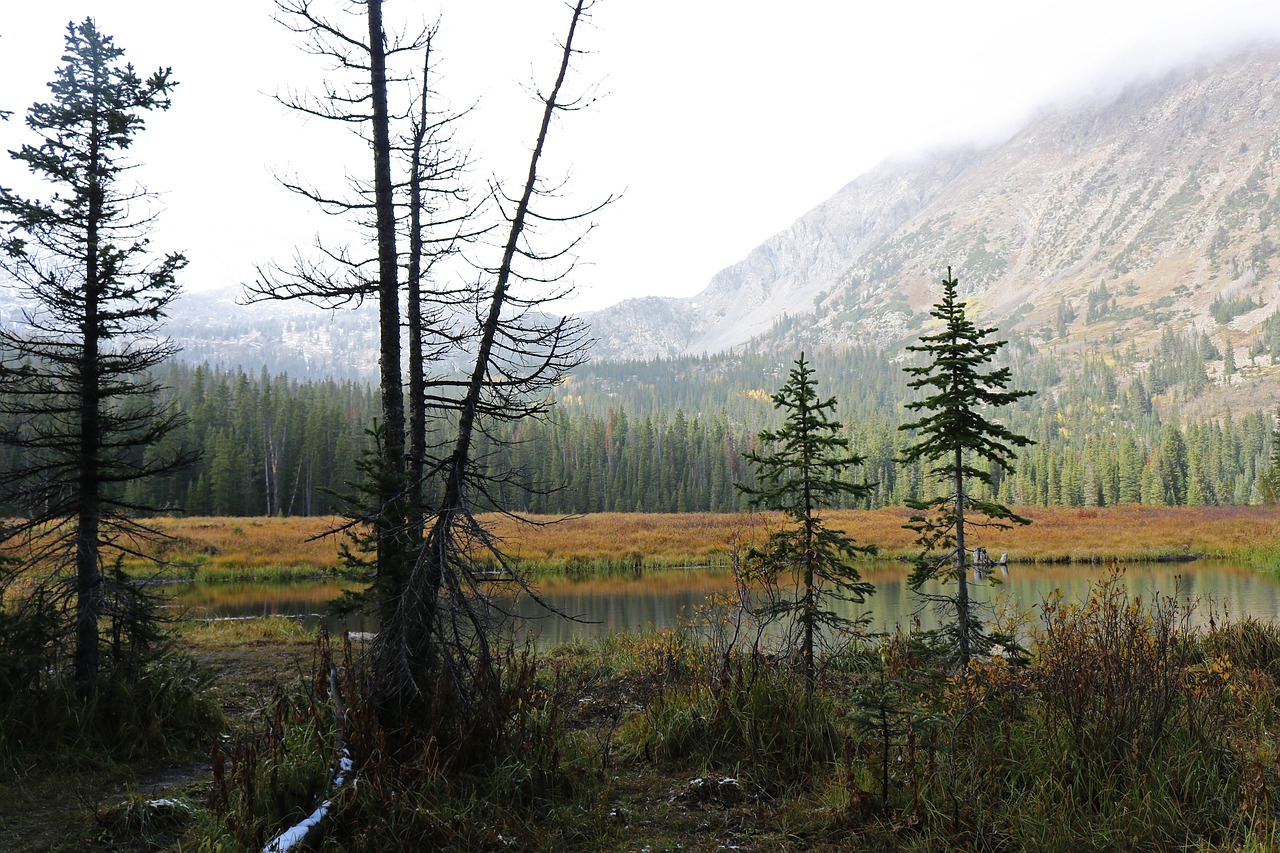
[294,835]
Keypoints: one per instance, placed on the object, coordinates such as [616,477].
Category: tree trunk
[417,368]
[962,590]
[390,524]
[810,600]
[88,574]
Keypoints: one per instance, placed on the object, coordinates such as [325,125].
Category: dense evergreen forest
[668,436]
[269,445]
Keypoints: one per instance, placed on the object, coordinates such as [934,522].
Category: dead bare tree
[431,553]
[423,201]
[433,658]
[435,183]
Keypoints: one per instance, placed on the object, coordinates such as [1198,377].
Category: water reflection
[1220,588]
[307,601]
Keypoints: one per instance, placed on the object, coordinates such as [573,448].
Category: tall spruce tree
[955,438]
[74,386]
[800,474]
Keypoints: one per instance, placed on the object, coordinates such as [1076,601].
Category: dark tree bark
[416,466]
[964,640]
[414,309]
[440,635]
[392,520]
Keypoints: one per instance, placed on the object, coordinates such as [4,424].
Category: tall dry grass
[582,546]
[1059,534]
[229,548]
[1134,532]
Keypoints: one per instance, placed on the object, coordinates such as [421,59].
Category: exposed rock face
[285,337]
[646,327]
[1167,195]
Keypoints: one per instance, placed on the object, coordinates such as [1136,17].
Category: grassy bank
[607,544]
[1124,729]
[223,548]
[1127,533]
[79,796]
[1127,728]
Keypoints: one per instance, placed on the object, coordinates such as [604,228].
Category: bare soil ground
[67,803]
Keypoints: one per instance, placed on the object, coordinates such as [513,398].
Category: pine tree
[953,436]
[75,384]
[1271,478]
[798,473]
[1174,466]
[1130,471]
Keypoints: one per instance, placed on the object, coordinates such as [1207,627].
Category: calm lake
[658,599]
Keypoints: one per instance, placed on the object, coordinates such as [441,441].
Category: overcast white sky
[720,121]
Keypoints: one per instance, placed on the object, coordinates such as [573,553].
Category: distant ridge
[1098,225]
[1167,194]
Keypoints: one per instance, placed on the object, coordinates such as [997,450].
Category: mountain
[218,329]
[1099,222]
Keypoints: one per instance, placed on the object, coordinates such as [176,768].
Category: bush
[146,704]
[165,708]
[1122,734]
[1111,669]
[512,771]
[768,722]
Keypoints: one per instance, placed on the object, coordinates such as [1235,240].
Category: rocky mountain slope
[1099,222]
[303,341]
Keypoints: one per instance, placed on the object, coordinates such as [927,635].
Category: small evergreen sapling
[798,473]
[954,437]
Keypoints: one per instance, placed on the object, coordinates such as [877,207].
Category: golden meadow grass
[284,548]
[1059,534]
[255,542]
[231,632]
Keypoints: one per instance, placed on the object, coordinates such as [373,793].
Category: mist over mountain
[1099,225]
[1128,248]
[1119,217]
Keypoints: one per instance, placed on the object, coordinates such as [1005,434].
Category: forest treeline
[668,435]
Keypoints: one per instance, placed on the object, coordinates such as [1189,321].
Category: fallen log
[301,831]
